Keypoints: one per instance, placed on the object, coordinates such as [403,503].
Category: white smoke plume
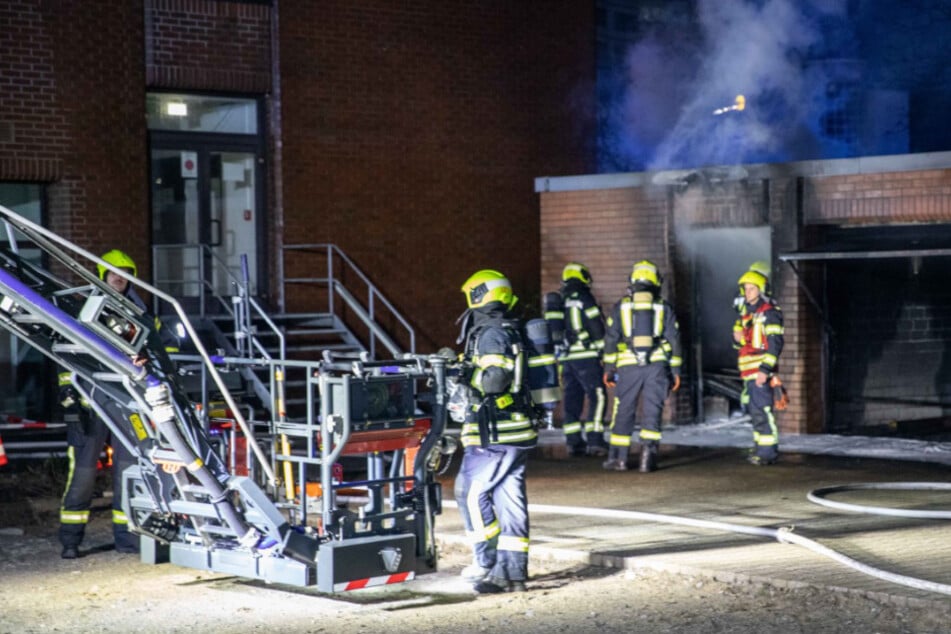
[744,47]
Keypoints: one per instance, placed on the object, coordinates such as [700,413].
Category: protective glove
[780,396]
[68,397]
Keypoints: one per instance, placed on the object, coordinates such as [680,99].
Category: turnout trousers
[582,379]
[86,440]
[648,384]
[765,432]
[490,492]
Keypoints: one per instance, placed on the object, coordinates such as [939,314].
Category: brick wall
[208,45]
[71,117]
[606,229]
[33,130]
[413,133]
[916,196]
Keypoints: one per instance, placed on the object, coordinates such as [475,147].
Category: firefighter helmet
[755,278]
[645,271]
[487,286]
[762,267]
[118,259]
[576,271]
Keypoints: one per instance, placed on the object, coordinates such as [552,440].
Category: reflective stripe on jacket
[762,338]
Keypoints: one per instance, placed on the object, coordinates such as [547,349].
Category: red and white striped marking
[10,421]
[3,454]
[369,582]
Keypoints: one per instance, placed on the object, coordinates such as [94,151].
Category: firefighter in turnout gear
[87,435]
[643,344]
[581,368]
[758,335]
[739,303]
[497,435]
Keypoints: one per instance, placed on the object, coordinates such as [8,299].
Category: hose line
[818,497]
[782,535]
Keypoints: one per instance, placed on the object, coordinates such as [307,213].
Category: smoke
[676,77]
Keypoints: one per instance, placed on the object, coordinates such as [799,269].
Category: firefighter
[643,343]
[581,367]
[87,435]
[497,435]
[739,303]
[759,339]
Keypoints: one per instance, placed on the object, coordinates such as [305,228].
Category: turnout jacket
[584,323]
[761,342]
[500,411]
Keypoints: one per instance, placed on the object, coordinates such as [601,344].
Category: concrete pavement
[584,514]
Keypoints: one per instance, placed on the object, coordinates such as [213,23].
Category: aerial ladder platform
[192,497]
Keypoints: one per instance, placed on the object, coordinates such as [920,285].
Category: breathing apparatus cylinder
[554,308]
[542,375]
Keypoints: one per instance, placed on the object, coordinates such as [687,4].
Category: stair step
[315,331]
[317,347]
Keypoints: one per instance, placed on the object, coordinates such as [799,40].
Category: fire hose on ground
[786,535]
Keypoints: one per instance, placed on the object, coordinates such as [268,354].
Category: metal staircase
[332,316]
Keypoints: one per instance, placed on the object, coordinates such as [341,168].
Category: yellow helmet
[487,286]
[645,271]
[762,267]
[576,271]
[118,259]
[755,278]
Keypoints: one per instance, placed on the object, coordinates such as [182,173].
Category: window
[25,386]
[198,113]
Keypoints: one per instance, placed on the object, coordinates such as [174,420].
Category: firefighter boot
[648,457]
[617,459]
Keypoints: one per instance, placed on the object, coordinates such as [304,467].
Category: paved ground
[582,513]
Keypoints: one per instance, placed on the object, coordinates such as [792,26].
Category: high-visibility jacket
[584,323]
[761,328]
[642,329]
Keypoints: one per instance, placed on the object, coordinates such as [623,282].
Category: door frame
[203,144]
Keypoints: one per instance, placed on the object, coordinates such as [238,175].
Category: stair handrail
[67,253]
[367,313]
[244,297]
[375,330]
[204,285]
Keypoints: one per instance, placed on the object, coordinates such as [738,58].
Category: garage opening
[885,302]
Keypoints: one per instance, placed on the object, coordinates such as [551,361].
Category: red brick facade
[412,136]
[71,116]
[407,135]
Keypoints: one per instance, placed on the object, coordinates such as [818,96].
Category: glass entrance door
[232,218]
[207,195]
[204,222]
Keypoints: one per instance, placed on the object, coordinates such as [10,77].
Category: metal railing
[334,265]
[239,305]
